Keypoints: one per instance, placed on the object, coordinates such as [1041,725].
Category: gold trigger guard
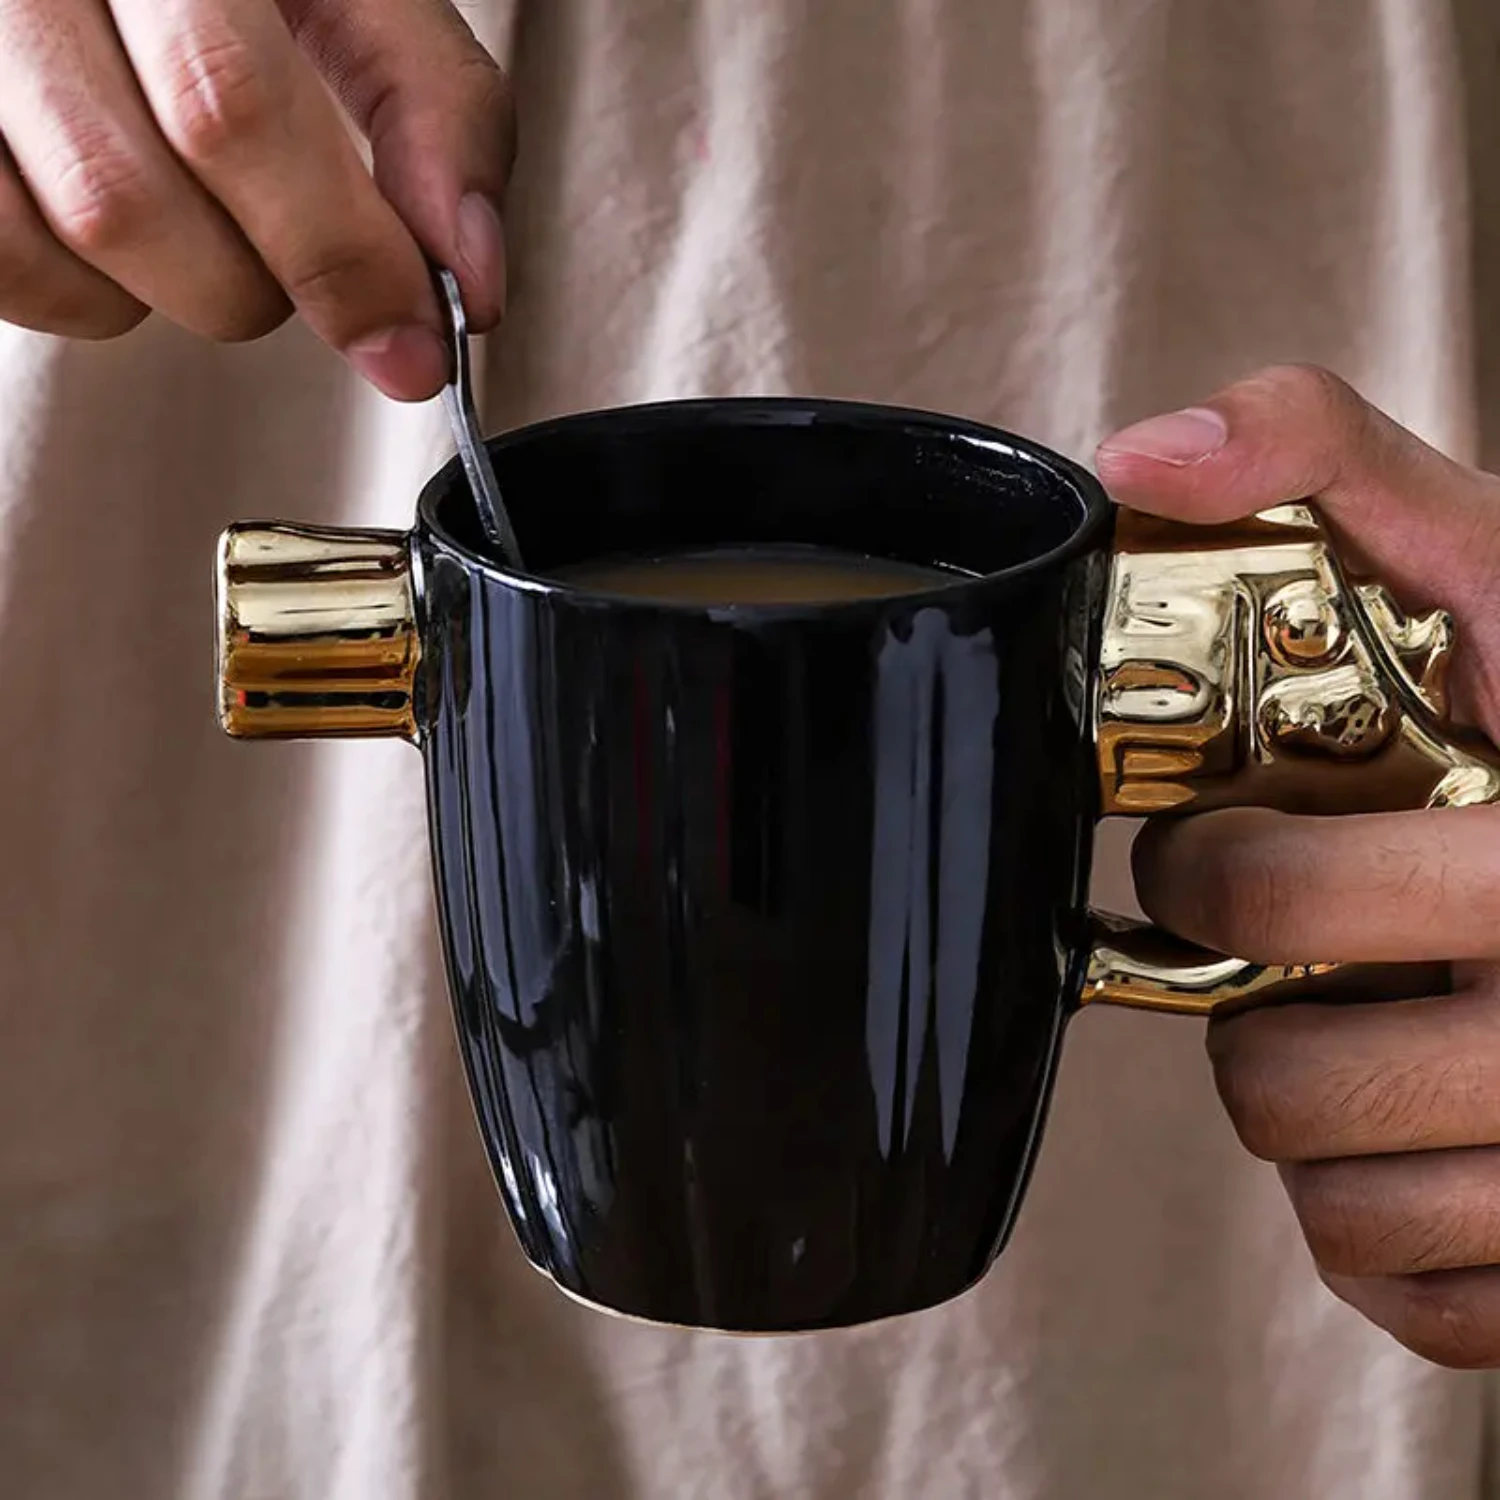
[1240,666]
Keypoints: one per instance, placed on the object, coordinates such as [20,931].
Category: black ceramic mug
[763,923]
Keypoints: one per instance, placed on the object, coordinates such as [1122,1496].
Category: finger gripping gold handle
[317,633]
[1145,967]
[1241,666]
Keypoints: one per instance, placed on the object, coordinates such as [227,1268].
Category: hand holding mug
[185,156]
[1384,1117]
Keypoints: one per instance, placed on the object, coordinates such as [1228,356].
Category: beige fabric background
[248,1248]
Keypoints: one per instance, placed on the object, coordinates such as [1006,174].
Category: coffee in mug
[753,575]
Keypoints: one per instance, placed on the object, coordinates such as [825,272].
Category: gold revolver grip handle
[1241,666]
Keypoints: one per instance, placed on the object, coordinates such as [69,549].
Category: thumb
[438,114]
[1427,527]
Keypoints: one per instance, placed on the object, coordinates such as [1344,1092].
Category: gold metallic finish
[1138,965]
[1338,712]
[317,633]
[1241,667]
[1302,627]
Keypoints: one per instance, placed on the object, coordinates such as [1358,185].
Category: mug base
[642,1320]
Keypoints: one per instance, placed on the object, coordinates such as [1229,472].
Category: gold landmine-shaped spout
[317,633]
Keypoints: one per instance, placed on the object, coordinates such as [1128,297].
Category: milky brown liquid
[755,575]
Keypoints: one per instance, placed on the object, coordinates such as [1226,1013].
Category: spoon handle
[458,400]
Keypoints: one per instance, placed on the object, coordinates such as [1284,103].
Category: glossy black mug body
[763,923]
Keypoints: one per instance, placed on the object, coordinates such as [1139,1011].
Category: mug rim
[1090,530]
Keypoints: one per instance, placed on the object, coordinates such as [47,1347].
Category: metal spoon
[458,399]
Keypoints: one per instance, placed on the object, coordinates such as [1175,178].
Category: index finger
[245,110]
[1407,887]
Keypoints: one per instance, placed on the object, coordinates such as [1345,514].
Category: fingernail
[481,248]
[408,364]
[1179,437]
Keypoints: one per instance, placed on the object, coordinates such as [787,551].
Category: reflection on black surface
[758,929]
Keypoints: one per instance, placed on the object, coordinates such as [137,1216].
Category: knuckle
[492,103]
[1318,386]
[1311,388]
[218,96]
[477,101]
[1448,1324]
[484,84]
[97,192]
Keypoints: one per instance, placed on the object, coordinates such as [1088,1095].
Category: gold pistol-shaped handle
[1241,666]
